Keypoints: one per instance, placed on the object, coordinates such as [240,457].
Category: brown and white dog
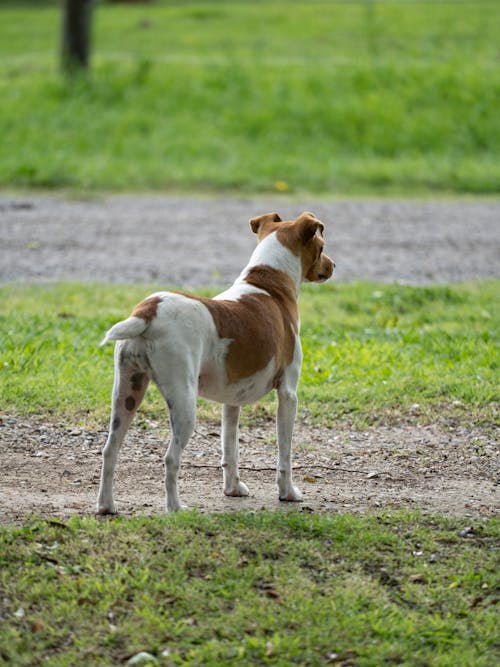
[234,349]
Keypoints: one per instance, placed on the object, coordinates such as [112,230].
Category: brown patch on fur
[262,221]
[259,326]
[130,403]
[266,224]
[297,234]
[280,286]
[136,381]
[146,310]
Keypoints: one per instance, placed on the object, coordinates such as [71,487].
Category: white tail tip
[130,328]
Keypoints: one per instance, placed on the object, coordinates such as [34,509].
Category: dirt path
[52,469]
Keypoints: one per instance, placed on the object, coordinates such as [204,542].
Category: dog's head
[304,237]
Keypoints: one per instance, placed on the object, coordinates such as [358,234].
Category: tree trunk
[77,22]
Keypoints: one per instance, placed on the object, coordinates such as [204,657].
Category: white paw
[106,508]
[237,490]
[176,507]
[291,495]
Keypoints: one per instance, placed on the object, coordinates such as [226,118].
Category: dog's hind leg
[181,403]
[230,446]
[130,384]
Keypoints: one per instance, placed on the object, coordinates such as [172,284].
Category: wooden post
[76,29]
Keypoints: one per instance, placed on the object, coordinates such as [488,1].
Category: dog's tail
[138,322]
[129,328]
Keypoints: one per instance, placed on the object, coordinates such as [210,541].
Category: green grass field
[329,97]
[253,589]
[370,351]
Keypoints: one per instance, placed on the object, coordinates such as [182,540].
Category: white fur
[237,290]
[181,350]
[133,326]
[271,252]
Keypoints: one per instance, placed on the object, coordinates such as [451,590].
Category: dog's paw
[176,507]
[103,510]
[293,495]
[237,490]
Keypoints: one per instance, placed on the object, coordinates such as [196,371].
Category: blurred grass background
[326,97]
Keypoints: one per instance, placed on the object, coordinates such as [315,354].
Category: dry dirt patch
[52,469]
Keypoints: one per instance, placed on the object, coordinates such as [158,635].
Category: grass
[329,97]
[370,351]
[260,589]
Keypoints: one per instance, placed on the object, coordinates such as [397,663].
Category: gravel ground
[51,469]
[170,240]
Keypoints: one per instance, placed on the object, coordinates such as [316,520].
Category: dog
[233,349]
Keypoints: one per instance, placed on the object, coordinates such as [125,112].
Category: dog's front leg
[287,409]
[230,446]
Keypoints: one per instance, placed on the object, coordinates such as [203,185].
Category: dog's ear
[307,226]
[256,223]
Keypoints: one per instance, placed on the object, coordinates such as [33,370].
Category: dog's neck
[270,252]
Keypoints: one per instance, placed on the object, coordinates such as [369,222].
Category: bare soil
[51,469]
